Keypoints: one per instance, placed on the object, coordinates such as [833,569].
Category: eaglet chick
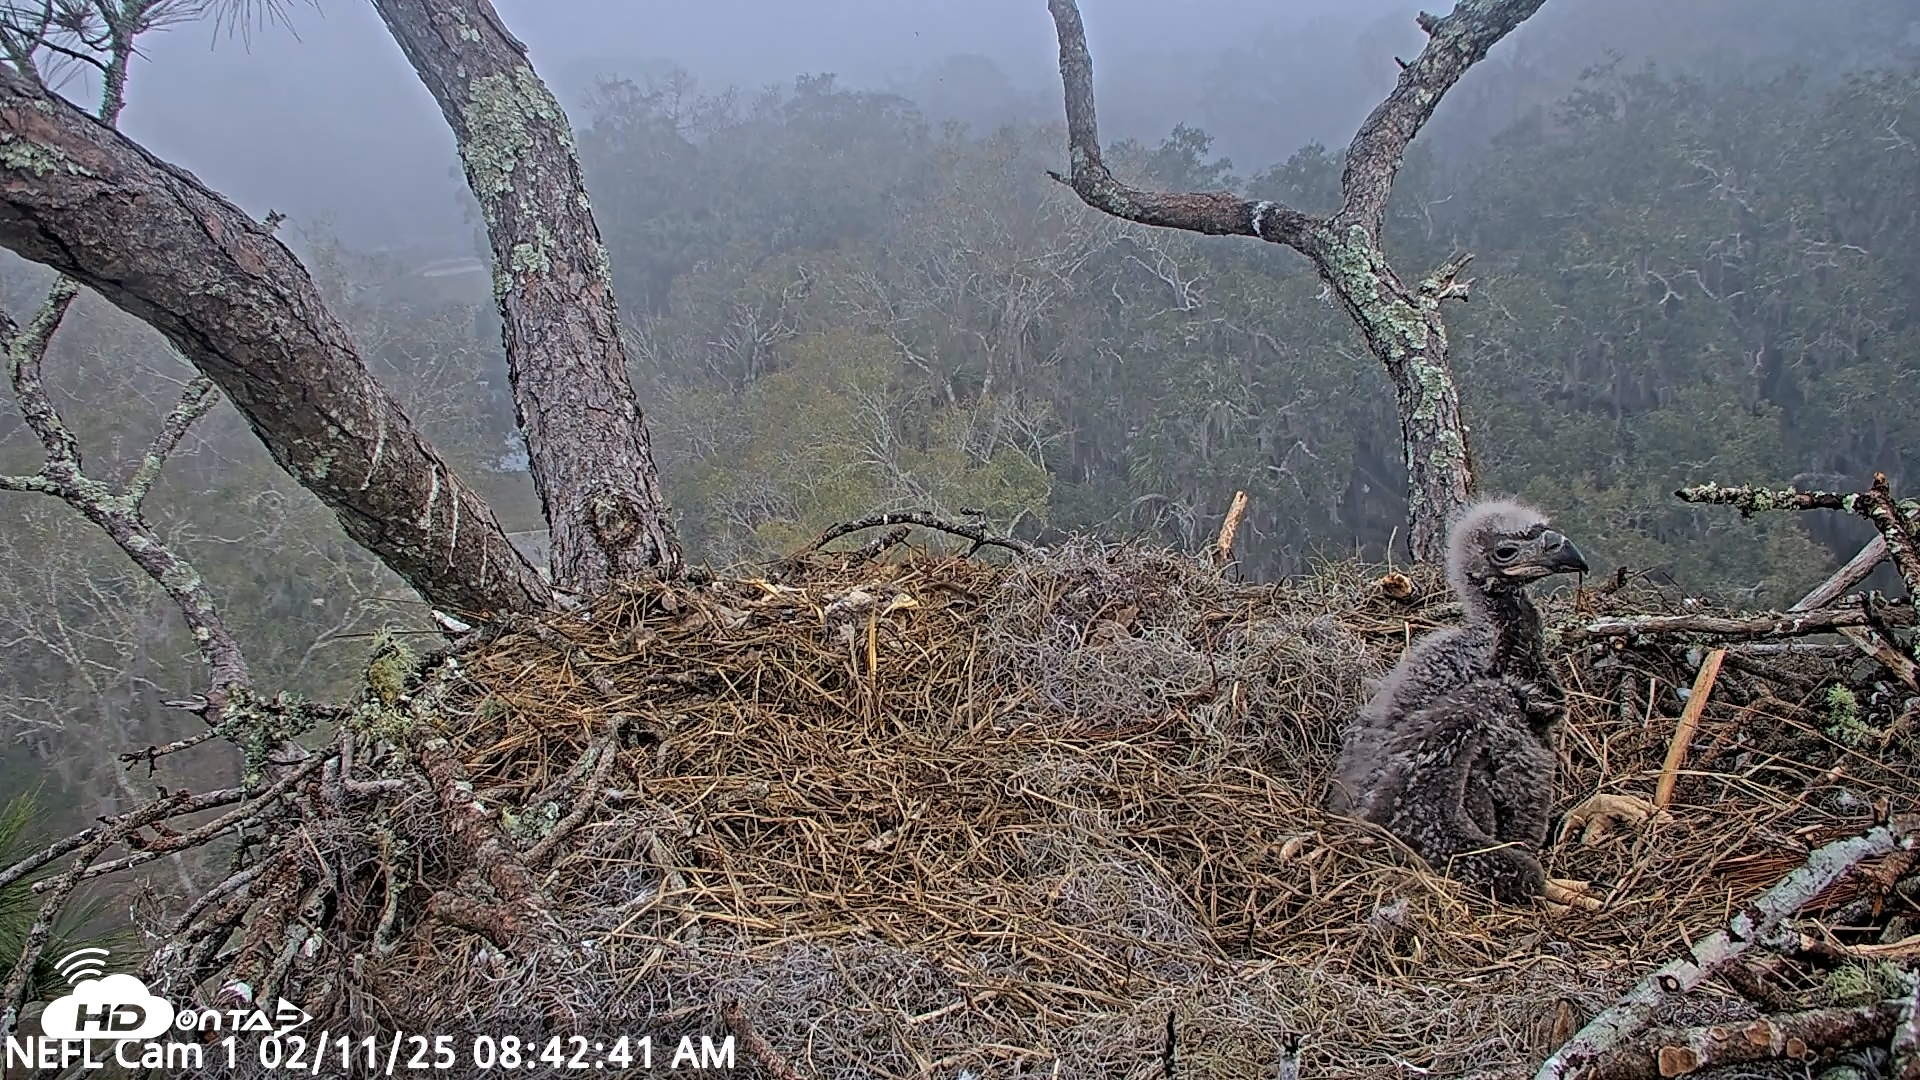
[1454,752]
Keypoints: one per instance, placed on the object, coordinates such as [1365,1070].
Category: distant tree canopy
[1677,280]
[836,307]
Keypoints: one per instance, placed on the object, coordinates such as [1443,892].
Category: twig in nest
[522,909]
[1759,919]
[1784,624]
[606,751]
[883,543]
[1689,723]
[1798,1036]
[979,536]
[769,1058]
[167,845]
[153,754]
[1230,528]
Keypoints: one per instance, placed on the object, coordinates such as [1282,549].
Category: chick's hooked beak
[1552,554]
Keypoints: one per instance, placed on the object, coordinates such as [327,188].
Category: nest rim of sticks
[857,754]
[1056,808]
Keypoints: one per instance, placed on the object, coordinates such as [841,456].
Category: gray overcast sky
[334,125]
[334,121]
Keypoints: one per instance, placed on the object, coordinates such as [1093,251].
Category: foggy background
[322,119]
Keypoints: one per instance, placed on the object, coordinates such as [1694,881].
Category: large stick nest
[940,816]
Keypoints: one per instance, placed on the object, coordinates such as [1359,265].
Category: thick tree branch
[1218,213]
[1757,921]
[81,198]
[1796,1036]
[1455,43]
[587,442]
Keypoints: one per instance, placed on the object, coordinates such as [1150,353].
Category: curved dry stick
[980,537]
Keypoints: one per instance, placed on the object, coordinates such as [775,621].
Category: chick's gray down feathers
[1454,752]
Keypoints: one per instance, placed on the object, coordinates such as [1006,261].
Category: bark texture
[587,439]
[1401,323]
[83,199]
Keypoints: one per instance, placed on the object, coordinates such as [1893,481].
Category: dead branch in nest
[1229,529]
[1757,921]
[522,909]
[1798,1036]
[62,887]
[769,1058]
[1853,573]
[150,850]
[1689,723]
[604,752]
[1783,624]
[175,804]
[980,537]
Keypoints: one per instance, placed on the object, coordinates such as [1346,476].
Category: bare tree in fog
[1402,325]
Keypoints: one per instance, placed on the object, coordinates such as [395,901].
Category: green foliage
[20,835]
[836,434]
[1844,721]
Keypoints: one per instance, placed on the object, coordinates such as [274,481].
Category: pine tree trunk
[586,436]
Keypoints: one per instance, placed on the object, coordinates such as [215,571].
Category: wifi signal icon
[82,964]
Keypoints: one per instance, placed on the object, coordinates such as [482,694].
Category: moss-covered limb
[1877,505]
[1905,1044]
[1783,625]
[1455,43]
[196,400]
[1895,518]
[1402,326]
[587,442]
[1405,332]
[1758,921]
[1751,500]
[118,514]
[79,197]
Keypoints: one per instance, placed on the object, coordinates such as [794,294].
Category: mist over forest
[847,285]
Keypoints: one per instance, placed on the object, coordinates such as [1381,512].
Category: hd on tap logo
[103,1006]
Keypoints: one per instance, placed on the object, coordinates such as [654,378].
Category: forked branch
[1401,322]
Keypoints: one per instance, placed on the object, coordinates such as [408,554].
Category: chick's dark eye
[1505,553]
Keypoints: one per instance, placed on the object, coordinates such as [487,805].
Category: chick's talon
[1600,816]
[1563,894]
